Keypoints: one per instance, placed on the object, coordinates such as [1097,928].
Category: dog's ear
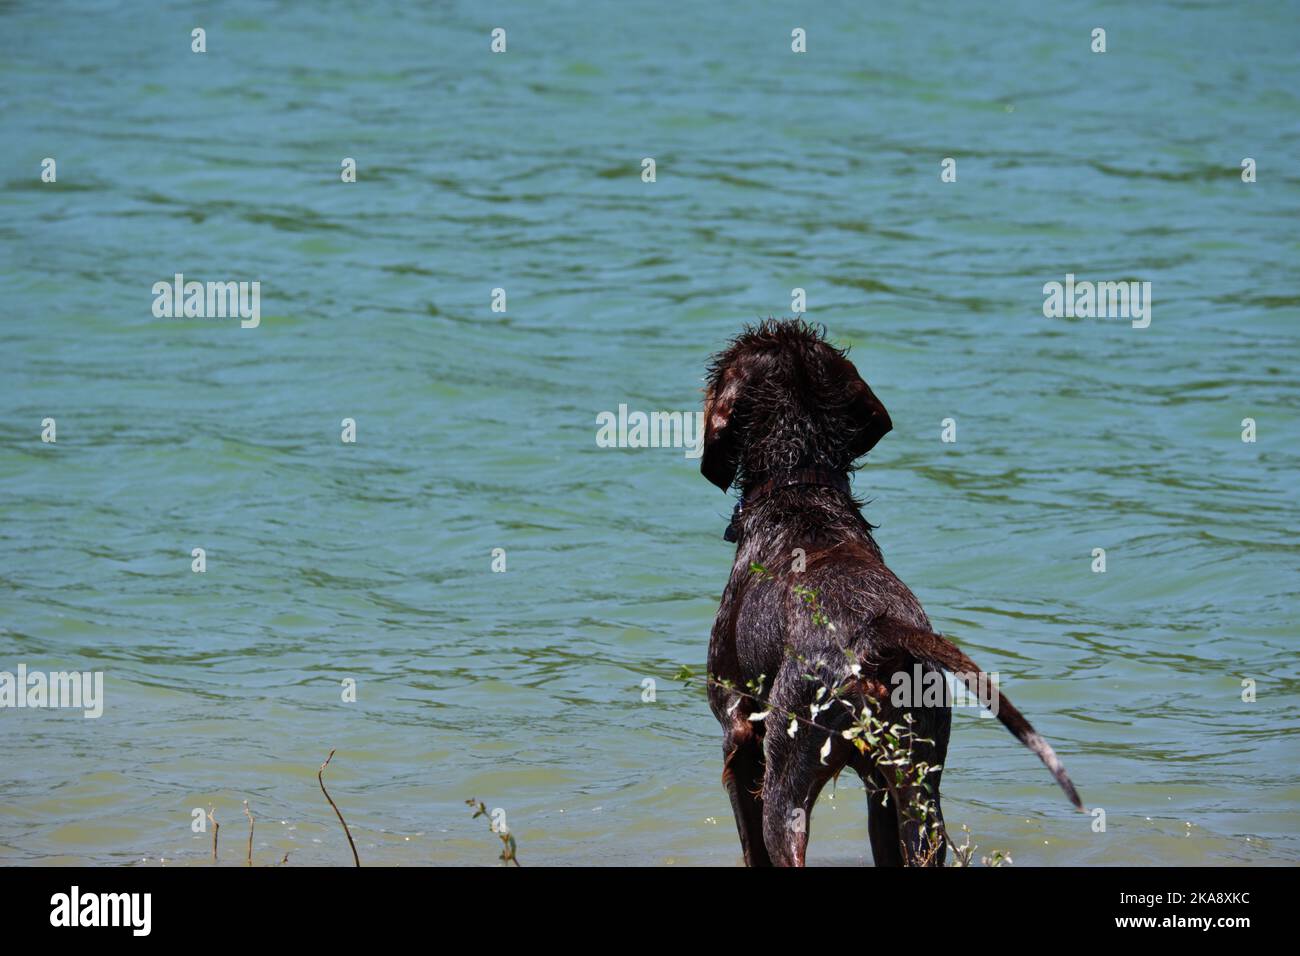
[869,420]
[719,460]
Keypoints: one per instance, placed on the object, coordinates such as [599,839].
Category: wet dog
[814,629]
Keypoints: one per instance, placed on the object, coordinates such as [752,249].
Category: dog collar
[818,477]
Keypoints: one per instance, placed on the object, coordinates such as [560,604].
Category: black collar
[819,477]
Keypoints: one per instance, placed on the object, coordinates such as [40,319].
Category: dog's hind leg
[882,821]
[787,815]
[918,807]
[905,821]
[793,778]
[920,821]
[924,834]
[742,775]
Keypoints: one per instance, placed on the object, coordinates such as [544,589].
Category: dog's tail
[938,651]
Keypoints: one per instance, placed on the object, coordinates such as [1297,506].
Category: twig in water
[346,832]
[216,828]
[509,848]
[250,833]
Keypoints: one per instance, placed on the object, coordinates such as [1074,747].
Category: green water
[476,429]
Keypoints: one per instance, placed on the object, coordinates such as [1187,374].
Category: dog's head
[780,397]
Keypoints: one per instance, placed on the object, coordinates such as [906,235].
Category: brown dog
[814,629]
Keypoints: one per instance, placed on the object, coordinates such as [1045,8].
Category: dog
[813,628]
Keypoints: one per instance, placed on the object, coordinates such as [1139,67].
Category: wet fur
[780,398]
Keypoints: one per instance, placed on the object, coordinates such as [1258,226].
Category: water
[476,430]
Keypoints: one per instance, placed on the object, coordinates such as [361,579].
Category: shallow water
[476,430]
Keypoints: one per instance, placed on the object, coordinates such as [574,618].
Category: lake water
[476,429]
